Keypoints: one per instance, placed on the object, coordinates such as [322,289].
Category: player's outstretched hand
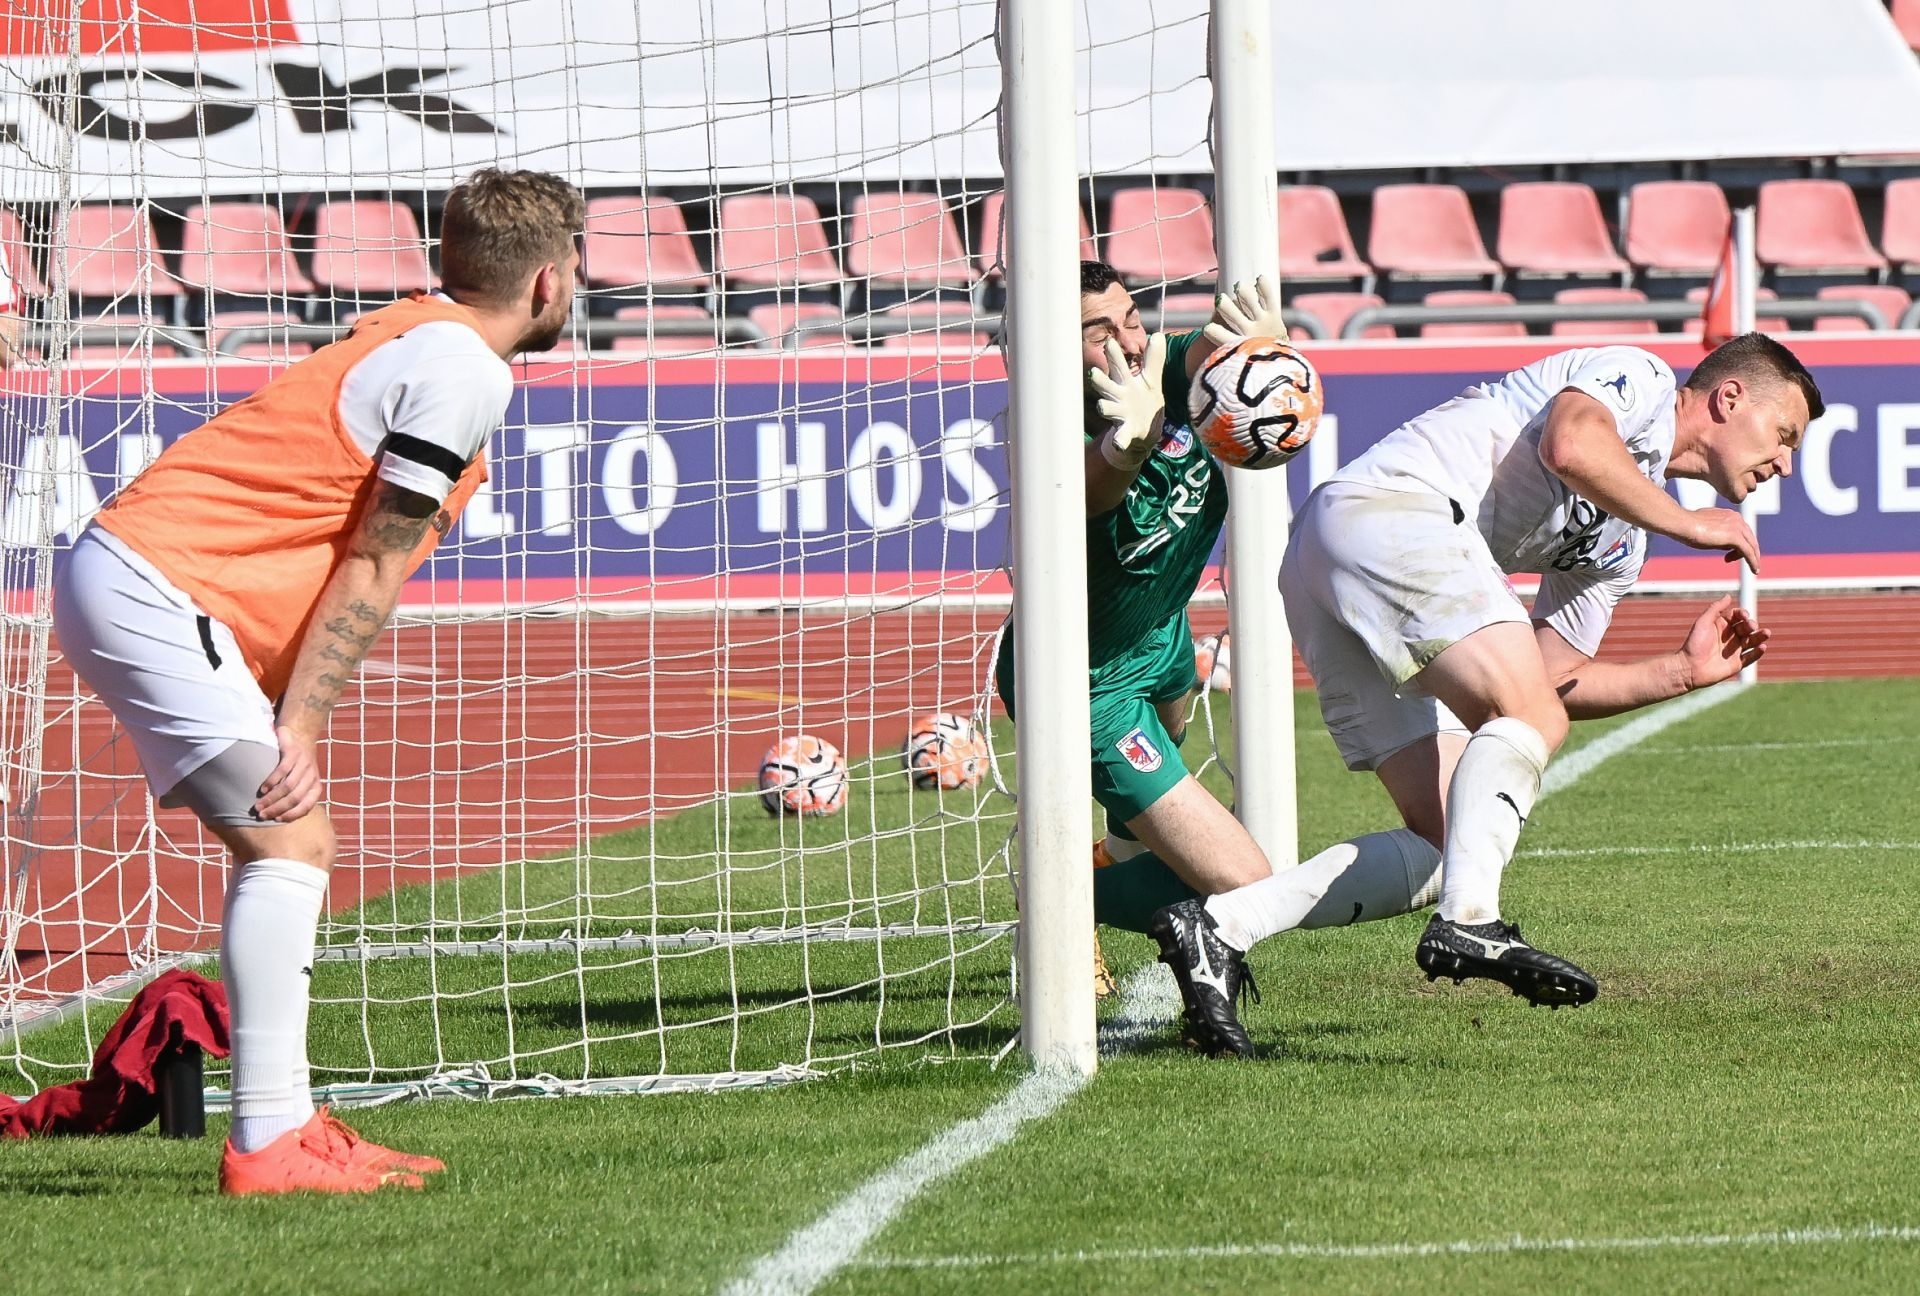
[1718,528]
[1247,310]
[1132,402]
[1724,639]
[293,788]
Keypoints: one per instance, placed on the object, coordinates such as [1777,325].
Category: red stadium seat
[1813,226]
[1891,301]
[1314,240]
[1555,228]
[1334,309]
[1160,235]
[636,242]
[706,338]
[906,240]
[1765,324]
[774,241]
[992,208]
[1423,231]
[20,263]
[1602,328]
[369,249]
[240,249]
[1906,17]
[923,320]
[220,324]
[1900,224]
[121,346]
[1471,297]
[778,319]
[1677,227]
[112,253]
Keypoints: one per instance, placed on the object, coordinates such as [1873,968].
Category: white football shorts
[172,676]
[1377,583]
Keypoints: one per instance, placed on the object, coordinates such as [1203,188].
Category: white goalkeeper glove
[1249,310]
[1133,402]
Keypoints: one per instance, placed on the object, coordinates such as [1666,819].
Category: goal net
[760,493]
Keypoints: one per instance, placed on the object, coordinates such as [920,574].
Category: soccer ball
[1255,404]
[944,751]
[1212,661]
[803,775]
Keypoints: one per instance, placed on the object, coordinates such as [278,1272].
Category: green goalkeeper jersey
[1145,556]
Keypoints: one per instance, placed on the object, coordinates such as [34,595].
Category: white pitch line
[816,1252]
[1726,848]
[1795,745]
[1410,1250]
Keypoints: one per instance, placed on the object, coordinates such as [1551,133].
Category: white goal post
[762,491]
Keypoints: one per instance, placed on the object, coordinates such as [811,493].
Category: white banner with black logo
[185,98]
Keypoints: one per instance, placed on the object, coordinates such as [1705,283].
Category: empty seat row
[1156,235]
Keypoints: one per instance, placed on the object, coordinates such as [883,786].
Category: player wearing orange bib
[221,602]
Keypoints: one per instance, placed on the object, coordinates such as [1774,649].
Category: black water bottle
[181,1087]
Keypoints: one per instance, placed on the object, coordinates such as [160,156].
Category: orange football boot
[309,1159]
[371,1156]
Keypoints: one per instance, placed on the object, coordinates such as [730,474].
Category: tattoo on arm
[395,519]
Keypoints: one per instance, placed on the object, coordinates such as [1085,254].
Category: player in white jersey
[1434,675]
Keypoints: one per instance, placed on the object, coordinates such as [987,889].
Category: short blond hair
[499,227]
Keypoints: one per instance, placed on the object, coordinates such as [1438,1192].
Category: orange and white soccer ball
[1256,404]
[803,775]
[945,751]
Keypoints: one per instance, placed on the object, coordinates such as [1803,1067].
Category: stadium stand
[1334,309]
[774,241]
[1676,227]
[1765,323]
[1602,328]
[1158,235]
[240,249]
[1554,229]
[638,246]
[1471,297]
[1900,224]
[20,262]
[987,259]
[368,251]
[1315,243]
[1890,300]
[1813,227]
[906,241]
[1427,231]
[112,257]
[779,319]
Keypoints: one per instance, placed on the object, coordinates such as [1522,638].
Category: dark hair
[499,227]
[1096,277]
[1760,361]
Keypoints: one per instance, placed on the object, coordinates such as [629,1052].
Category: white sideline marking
[1728,848]
[813,1254]
[1411,1250]
[816,1252]
[1576,765]
[1702,749]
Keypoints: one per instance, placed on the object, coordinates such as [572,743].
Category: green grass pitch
[1740,884]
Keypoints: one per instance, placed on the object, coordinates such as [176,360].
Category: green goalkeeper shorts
[1135,761]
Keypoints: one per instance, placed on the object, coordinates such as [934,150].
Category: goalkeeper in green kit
[1175,864]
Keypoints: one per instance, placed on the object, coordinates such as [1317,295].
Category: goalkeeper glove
[1133,402]
[1249,310]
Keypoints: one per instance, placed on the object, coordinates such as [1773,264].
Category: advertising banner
[770,479]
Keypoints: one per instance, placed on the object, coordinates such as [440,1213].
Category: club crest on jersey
[1622,389]
[1140,751]
[1176,442]
[1621,551]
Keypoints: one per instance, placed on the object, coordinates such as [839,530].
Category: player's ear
[1730,395]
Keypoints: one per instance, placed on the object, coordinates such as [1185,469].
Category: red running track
[496,740]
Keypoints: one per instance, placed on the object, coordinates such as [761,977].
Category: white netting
[760,492]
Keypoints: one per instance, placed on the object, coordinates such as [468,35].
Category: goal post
[1049,536]
[1246,222]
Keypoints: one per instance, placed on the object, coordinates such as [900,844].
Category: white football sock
[1494,788]
[266,957]
[1376,876]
